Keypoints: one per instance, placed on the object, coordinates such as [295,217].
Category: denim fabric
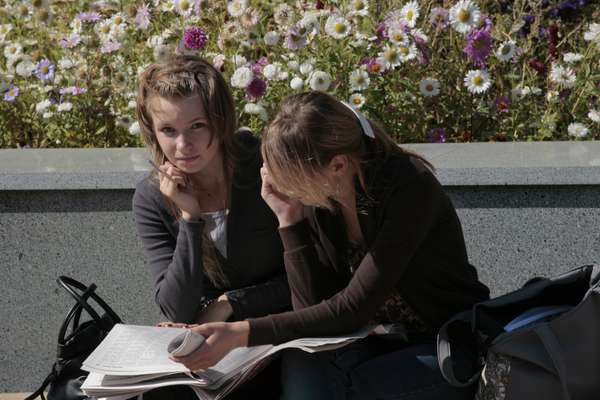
[372,368]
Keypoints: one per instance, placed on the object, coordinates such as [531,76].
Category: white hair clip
[364,123]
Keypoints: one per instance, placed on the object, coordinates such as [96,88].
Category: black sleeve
[258,300]
[410,214]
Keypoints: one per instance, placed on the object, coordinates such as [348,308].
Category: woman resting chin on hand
[370,237]
[210,240]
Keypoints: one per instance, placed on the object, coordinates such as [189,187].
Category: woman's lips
[187,160]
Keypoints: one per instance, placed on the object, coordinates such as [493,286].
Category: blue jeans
[371,368]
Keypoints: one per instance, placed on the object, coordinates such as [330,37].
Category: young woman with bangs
[210,240]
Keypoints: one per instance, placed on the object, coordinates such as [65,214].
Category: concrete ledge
[457,164]
[526,209]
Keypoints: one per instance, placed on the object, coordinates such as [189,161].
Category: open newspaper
[133,359]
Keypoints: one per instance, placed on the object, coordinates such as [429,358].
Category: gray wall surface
[527,209]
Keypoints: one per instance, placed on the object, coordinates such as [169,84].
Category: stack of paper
[134,359]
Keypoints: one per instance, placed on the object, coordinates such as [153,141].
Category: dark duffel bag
[539,342]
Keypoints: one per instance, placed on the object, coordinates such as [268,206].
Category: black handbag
[537,342]
[65,379]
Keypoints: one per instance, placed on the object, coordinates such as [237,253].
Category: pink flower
[88,16]
[195,38]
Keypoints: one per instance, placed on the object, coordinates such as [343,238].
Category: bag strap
[69,284]
[458,330]
[554,350]
[40,391]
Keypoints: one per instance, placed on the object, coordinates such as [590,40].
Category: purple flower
[88,16]
[12,93]
[294,40]
[256,69]
[44,70]
[195,38]
[256,89]
[74,90]
[375,67]
[502,104]
[381,31]
[563,94]
[110,46]
[479,45]
[263,61]
[438,17]
[142,17]
[437,135]
[70,41]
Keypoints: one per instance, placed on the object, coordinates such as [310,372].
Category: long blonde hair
[184,76]
[307,132]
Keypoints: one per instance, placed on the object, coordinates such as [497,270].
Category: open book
[134,359]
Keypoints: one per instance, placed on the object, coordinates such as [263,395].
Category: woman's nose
[183,141]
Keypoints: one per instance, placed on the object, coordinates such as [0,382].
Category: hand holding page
[185,344]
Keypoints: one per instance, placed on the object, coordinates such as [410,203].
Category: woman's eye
[168,131]
[198,125]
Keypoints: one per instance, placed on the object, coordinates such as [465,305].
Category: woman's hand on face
[221,338]
[174,188]
[288,210]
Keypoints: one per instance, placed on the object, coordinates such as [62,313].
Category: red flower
[553,40]
[538,65]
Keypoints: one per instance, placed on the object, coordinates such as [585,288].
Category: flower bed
[428,71]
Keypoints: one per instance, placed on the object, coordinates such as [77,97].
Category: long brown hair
[183,76]
[311,128]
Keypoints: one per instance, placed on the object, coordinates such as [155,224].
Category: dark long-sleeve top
[254,265]
[415,246]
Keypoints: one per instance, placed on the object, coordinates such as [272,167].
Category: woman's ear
[338,165]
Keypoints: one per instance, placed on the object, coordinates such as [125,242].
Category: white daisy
[594,115]
[256,109]
[409,13]
[359,80]
[306,68]
[183,7]
[464,15]
[593,33]
[296,83]
[390,57]
[310,23]
[161,53]
[337,26]
[47,115]
[407,52]
[134,129]
[66,63]
[104,29]
[42,106]
[577,130]
[320,80]
[359,7]
[118,19]
[397,36]
[271,38]
[65,106]
[563,76]
[572,58]
[429,87]
[25,68]
[506,51]
[13,50]
[236,8]
[356,100]
[477,81]
[552,96]
[242,77]
[239,61]
[272,71]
